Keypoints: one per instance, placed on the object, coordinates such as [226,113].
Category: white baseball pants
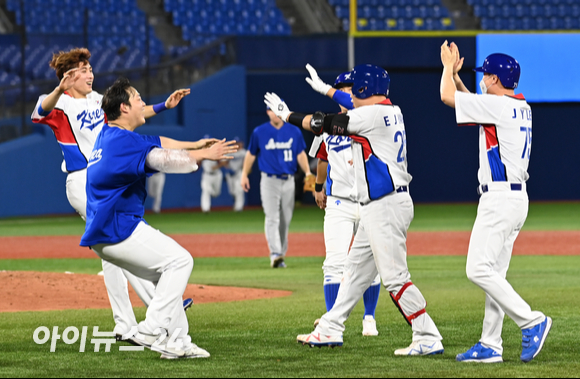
[500,216]
[236,190]
[211,186]
[341,220]
[155,257]
[155,186]
[380,243]
[115,277]
[278,202]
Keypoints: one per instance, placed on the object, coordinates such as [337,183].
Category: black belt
[513,186]
[277,176]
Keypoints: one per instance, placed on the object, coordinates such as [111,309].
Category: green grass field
[257,338]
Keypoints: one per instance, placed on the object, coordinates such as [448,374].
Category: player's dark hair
[117,94]
[62,61]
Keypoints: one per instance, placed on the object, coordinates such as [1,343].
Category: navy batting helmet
[343,80]
[369,80]
[505,67]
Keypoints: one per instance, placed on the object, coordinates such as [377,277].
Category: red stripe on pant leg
[414,316]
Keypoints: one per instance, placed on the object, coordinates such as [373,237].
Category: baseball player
[279,148]
[73,111]
[155,185]
[342,211]
[377,130]
[505,138]
[115,229]
[233,174]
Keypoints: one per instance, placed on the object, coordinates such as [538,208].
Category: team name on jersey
[96,156]
[338,143]
[91,119]
[524,114]
[272,145]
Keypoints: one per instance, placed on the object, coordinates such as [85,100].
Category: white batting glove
[315,82]
[277,106]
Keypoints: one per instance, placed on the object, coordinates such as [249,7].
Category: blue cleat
[481,354]
[187,303]
[533,339]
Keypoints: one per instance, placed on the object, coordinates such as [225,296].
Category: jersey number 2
[287,155]
[403,137]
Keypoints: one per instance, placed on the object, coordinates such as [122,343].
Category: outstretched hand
[315,82]
[220,149]
[448,57]
[69,79]
[277,106]
[458,60]
[205,143]
[174,99]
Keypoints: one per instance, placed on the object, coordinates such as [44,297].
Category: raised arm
[67,82]
[171,102]
[457,67]
[448,87]
[319,86]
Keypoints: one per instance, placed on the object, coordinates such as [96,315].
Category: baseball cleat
[369,326]
[481,354]
[193,352]
[316,339]
[277,261]
[533,339]
[187,303]
[420,348]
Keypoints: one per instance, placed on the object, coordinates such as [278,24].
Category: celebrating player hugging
[73,112]
[505,139]
[116,176]
[381,183]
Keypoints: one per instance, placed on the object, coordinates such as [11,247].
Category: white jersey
[505,134]
[337,151]
[379,149]
[237,163]
[76,123]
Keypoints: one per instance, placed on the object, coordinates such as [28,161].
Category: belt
[402,189]
[500,187]
[278,176]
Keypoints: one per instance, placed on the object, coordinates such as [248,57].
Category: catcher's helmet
[343,80]
[505,67]
[369,80]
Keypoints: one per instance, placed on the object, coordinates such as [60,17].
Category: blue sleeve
[254,145]
[343,99]
[130,153]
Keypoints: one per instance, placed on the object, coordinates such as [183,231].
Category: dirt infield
[301,245]
[27,291]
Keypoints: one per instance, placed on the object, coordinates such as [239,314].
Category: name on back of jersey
[524,113]
[396,119]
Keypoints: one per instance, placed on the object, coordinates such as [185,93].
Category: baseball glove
[309,183]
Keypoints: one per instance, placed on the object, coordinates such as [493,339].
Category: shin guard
[410,302]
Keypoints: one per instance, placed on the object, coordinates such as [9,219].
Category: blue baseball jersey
[116,192]
[277,149]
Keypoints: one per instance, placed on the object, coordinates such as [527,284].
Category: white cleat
[193,352]
[319,340]
[422,348]
[370,327]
